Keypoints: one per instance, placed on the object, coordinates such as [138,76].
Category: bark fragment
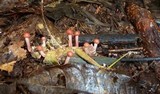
[146,28]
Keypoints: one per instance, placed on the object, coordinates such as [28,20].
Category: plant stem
[53,40]
[117,60]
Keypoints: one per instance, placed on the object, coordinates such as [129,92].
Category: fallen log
[147,29]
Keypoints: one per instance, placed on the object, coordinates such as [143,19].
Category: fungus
[69,55]
[89,49]
[69,33]
[96,42]
[43,41]
[27,40]
[77,33]
[40,49]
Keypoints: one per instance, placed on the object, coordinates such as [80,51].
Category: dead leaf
[7,66]
[17,51]
[53,56]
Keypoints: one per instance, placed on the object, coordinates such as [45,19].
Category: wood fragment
[125,50]
[146,28]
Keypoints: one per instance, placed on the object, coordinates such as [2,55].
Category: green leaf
[86,57]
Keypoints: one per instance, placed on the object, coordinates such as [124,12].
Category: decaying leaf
[17,51]
[52,57]
[7,66]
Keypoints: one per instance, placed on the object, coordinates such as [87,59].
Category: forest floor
[43,68]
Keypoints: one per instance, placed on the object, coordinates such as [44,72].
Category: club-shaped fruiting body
[69,33]
[86,44]
[77,33]
[89,49]
[43,41]
[40,49]
[96,42]
[85,47]
[69,55]
[27,40]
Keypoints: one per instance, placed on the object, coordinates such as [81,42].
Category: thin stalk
[53,40]
[125,50]
[117,60]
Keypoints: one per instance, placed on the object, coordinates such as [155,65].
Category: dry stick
[110,66]
[125,50]
[53,40]
[128,53]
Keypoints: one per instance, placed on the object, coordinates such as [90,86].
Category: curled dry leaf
[7,66]
[17,51]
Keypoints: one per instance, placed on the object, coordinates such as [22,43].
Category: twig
[118,60]
[147,59]
[53,40]
[125,50]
